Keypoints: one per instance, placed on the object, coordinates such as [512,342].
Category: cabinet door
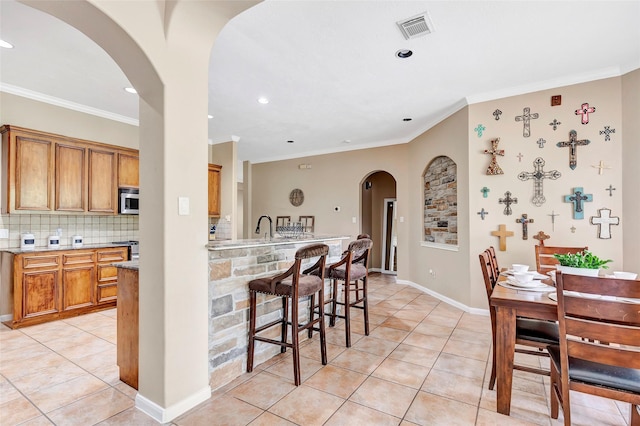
[33,174]
[128,171]
[70,178]
[102,189]
[77,287]
[214,190]
[39,293]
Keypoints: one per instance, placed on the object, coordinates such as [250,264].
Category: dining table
[510,303]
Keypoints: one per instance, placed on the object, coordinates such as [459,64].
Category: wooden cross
[524,221]
[507,201]
[485,192]
[604,218]
[607,132]
[541,236]
[482,213]
[553,219]
[555,123]
[610,189]
[541,143]
[502,233]
[494,168]
[572,143]
[519,157]
[538,175]
[479,129]
[601,166]
[585,110]
[496,114]
[526,118]
[577,198]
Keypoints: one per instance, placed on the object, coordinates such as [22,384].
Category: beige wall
[631,170]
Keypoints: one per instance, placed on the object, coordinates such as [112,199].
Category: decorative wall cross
[496,114]
[604,220]
[585,110]
[572,143]
[526,118]
[577,198]
[519,157]
[601,167]
[494,168]
[555,123]
[507,201]
[538,175]
[502,233]
[553,219]
[610,189]
[524,221]
[479,129]
[541,143]
[485,192]
[607,132]
[482,213]
[573,229]
[541,236]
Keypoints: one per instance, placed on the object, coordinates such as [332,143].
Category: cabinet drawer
[40,261]
[115,255]
[107,273]
[78,258]
[107,292]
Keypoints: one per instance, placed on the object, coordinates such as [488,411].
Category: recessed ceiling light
[209,116]
[6,44]
[289,141]
[404,53]
[407,119]
[130,90]
[263,100]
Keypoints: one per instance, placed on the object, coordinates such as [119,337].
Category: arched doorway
[378,218]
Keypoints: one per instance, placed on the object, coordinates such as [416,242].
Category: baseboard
[475,311]
[165,415]
[5,318]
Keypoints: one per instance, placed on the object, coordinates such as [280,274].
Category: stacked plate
[530,284]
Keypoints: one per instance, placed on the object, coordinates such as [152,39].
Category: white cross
[604,218]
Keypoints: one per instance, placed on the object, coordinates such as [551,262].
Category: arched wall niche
[440,180]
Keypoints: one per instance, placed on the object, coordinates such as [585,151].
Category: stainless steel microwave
[128,201]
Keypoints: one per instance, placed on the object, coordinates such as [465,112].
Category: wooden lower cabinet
[128,326]
[59,284]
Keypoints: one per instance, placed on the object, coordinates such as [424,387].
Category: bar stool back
[291,285]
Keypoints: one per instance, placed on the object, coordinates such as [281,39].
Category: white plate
[536,276]
[530,284]
[540,288]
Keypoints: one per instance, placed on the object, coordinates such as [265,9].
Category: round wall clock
[296,197]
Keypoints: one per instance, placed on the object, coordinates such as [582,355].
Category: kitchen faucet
[270,225]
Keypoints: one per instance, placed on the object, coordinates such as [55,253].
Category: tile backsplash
[94,229]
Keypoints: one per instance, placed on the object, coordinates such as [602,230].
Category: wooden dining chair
[582,362]
[537,334]
[545,261]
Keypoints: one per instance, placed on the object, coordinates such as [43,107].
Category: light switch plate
[183,206]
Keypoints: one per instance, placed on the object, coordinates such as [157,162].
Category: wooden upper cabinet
[128,171]
[103,192]
[70,178]
[214,190]
[32,174]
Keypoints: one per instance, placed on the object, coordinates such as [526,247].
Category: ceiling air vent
[416,26]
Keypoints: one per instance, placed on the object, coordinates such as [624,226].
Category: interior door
[389,237]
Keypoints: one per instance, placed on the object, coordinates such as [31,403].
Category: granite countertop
[63,247]
[260,242]
[131,264]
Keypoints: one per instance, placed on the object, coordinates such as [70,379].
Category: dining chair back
[535,334]
[599,348]
[545,261]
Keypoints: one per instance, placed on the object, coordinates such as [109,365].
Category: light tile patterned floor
[424,363]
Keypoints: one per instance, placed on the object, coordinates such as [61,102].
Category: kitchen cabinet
[56,284]
[214,190]
[128,326]
[53,174]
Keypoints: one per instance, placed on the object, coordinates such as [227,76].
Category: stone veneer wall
[441,202]
[229,273]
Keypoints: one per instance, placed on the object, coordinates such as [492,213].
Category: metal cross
[604,218]
[519,157]
[482,213]
[485,192]
[507,201]
[502,233]
[553,219]
[494,168]
[496,114]
[524,221]
[572,143]
[541,236]
[577,198]
[573,229]
[479,129]
[585,110]
[607,132]
[610,189]
[538,175]
[541,143]
[601,167]
[526,118]
[555,123]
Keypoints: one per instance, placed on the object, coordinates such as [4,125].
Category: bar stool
[291,285]
[352,271]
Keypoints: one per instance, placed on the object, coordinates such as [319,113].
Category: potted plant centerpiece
[581,263]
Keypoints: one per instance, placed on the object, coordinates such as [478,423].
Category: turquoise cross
[577,198]
[479,129]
